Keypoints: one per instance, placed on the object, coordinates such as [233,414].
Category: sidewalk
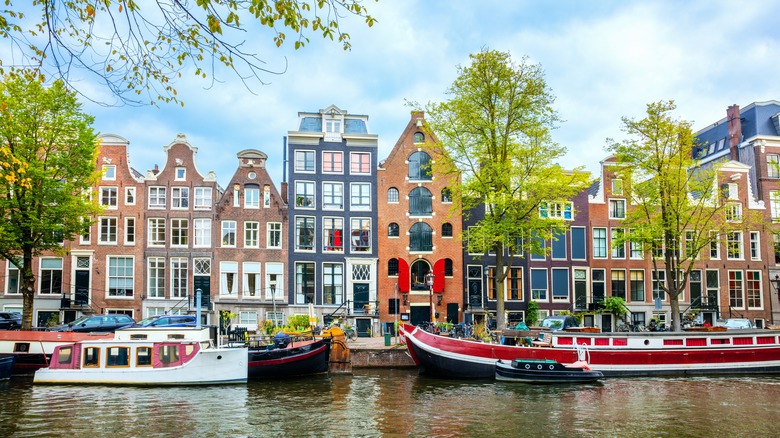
[375,343]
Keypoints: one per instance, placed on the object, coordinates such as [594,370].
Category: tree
[139,53]
[495,133]
[48,155]
[678,207]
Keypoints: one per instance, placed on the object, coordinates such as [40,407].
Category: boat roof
[163,334]
[39,336]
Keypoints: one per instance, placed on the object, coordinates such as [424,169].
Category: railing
[88,306]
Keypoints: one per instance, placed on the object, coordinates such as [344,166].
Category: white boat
[146,357]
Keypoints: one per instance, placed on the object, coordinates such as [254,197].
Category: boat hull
[543,373]
[299,359]
[6,365]
[671,354]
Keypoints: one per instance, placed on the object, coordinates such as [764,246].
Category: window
[361,196]
[86,234]
[247,319]
[129,230]
[659,278]
[109,173]
[274,235]
[180,229]
[304,194]
[51,276]
[202,233]
[446,229]
[180,197]
[560,284]
[266,196]
[599,243]
[332,283]
[13,279]
[251,196]
[635,248]
[332,162]
[753,289]
[252,277]
[598,285]
[617,208]
[449,268]
[714,245]
[755,245]
[360,163]
[637,285]
[304,283]
[732,191]
[774,205]
[446,195]
[393,230]
[156,197]
[156,277]
[772,166]
[304,161]
[129,195]
[617,187]
[228,273]
[690,246]
[736,299]
[179,268]
[228,233]
[108,230]
[117,356]
[419,166]
[618,283]
[91,357]
[108,197]
[421,237]
[203,197]
[578,243]
[392,267]
[333,234]
[694,286]
[419,137]
[539,284]
[360,232]
[392,195]
[120,276]
[156,231]
[556,210]
[181,174]
[420,202]
[734,245]
[304,233]
[332,195]
[734,212]
[618,248]
[252,234]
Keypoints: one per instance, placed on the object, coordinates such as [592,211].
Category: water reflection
[398,402]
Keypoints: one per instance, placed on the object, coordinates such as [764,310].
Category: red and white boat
[614,354]
[146,357]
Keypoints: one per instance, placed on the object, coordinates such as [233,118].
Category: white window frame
[130,224]
[157,197]
[251,234]
[740,245]
[361,192]
[130,195]
[333,172]
[180,229]
[109,172]
[252,197]
[616,202]
[155,284]
[109,197]
[226,268]
[360,154]
[227,228]
[179,268]
[203,198]
[180,174]
[180,198]
[755,245]
[249,270]
[101,227]
[156,226]
[202,227]
[273,234]
[334,187]
[304,153]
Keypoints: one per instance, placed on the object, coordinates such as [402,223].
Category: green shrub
[532,313]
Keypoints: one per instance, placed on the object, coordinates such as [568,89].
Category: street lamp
[776,284]
[429,281]
[272,286]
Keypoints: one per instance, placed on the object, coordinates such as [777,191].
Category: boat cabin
[114,355]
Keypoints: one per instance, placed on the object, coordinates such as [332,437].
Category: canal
[398,402]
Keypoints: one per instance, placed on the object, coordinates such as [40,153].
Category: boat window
[92,357]
[189,349]
[118,357]
[552,323]
[21,347]
[168,354]
[143,356]
[176,336]
[65,355]
[138,337]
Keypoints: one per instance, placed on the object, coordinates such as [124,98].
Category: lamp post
[429,281]
[776,284]
[272,286]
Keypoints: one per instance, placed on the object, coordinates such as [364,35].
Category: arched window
[446,195]
[420,201]
[448,267]
[446,229]
[392,194]
[421,237]
[392,230]
[392,267]
[420,166]
[419,137]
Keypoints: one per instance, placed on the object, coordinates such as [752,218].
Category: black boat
[6,365]
[284,358]
[545,371]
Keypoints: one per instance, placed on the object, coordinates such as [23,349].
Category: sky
[603,60]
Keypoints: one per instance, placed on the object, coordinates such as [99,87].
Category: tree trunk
[674,301]
[27,285]
[500,277]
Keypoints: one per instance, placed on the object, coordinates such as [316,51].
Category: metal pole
[198,293]
[397,309]
[273,299]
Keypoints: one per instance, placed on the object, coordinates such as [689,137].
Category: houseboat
[33,350]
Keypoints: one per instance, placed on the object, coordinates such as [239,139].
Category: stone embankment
[373,353]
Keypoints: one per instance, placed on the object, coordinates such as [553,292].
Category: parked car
[96,323]
[738,323]
[167,321]
[556,323]
[10,320]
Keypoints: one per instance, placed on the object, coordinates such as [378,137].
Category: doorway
[606,323]
[419,314]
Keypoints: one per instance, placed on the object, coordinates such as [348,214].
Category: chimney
[735,130]
[283,191]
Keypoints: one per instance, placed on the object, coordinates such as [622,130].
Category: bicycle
[350,333]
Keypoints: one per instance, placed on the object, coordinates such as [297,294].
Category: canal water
[393,402]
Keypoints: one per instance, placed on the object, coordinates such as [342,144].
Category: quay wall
[380,358]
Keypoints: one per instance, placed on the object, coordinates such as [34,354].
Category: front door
[606,322]
[363,325]
[360,296]
[203,282]
[82,288]
[452,313]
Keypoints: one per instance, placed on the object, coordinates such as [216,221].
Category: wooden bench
[545,340]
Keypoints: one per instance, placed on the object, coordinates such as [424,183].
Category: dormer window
[419,137]
[617,187]
[109,173]
[181,174]
[333,129]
